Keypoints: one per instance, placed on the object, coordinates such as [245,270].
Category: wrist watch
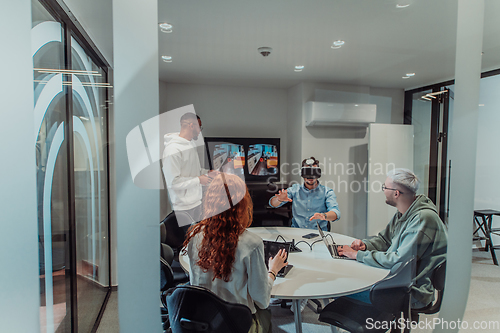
[325,216]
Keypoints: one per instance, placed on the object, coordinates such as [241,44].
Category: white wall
[487,195]
[265,112]
[96,17]
[136,100]
[232,111]
[19,279]
[343,151]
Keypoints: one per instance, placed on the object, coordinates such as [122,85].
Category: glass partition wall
[71,136]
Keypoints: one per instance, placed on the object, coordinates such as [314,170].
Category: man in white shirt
[182,169]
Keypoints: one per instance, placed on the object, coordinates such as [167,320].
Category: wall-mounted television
[255,159]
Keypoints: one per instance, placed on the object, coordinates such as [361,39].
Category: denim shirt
[308,202]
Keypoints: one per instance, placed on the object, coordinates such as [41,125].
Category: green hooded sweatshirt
[419,232]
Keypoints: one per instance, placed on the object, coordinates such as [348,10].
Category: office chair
[438,279]
[390,298]
[197,309]
[174,233]
[169,277]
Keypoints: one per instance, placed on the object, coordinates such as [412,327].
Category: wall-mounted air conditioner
[336,114]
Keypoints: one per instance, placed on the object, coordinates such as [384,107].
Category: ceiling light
[406,77]
[165,27]
[299,68]
[337,44]
[426,98]
[166,58]
[481,104]
[410,74]
[402,5]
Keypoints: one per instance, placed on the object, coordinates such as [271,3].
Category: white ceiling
[216,41]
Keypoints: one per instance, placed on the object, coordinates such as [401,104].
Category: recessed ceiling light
[410,74]
[481,104]
[299,68]
[166,27]
[337,44]
[402,5]
[406,77]
[167,58]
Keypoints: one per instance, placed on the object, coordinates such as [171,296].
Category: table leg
[297,316]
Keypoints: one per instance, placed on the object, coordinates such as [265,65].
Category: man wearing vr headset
[310,201]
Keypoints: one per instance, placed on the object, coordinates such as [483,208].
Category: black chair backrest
[197,309]
[392,294]
[439,276]
[438,279]
[174,235]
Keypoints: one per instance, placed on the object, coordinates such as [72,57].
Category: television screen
[262,159]
[255,159]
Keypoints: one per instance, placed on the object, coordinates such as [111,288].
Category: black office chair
[197,309]
[169,277]
[438,279]
[390,299]
[174,233]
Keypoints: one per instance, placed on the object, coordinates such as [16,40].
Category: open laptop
[332,248]
[271,249]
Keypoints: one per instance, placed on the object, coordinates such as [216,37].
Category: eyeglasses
[392,189]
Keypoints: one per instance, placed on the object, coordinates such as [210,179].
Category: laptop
[332,248]
[271,249]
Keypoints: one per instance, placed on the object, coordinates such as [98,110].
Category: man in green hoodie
[415,230]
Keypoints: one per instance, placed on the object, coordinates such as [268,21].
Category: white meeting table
[315,274]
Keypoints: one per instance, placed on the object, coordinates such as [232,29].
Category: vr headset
[310,172]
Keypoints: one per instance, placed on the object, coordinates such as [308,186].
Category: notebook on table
[332,248]
[271,249]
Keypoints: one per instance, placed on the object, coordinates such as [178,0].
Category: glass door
[429,113]
[71,140]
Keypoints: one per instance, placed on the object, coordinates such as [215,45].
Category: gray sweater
[249,283]
[419,232]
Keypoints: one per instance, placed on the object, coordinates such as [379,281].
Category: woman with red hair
[228,259]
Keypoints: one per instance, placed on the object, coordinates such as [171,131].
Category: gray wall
[19,280]
[96,17]
[137,210]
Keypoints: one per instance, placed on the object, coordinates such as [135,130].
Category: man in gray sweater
[415,230]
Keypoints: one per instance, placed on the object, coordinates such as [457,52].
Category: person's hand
[204,180]
[347,251]
[318,216]
[358,245]
[278,262]
[213,173]
[283,196]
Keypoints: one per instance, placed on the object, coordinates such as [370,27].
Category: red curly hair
[229,208]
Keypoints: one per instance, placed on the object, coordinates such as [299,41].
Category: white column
[135,39]
[463,155]
[19,280]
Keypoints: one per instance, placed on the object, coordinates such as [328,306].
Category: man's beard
[390,203]
[309,183]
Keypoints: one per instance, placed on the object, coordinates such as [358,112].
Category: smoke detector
[265,51]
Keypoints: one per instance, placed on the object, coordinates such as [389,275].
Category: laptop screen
[323,236]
